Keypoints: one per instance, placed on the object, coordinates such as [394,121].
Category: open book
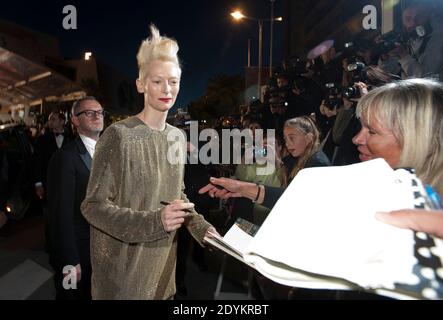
[236,240]
[322,234]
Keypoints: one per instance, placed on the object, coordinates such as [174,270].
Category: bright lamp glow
[88,56]
[237,15]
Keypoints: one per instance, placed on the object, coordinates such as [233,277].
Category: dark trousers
[183,247]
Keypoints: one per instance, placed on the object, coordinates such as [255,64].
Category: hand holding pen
[173,214]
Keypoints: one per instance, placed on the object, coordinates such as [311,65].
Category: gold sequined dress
[132,256]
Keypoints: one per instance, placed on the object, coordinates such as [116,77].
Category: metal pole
[260,45]
[272,38]
[249,53]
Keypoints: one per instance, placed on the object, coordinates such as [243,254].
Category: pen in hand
[167,204]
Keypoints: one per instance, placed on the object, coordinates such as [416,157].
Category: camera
[350,52]
[301,84]
[388,42]
[351,93]
[278,104]
[332,89]
[358,72]
[333,100]
[278,97]
[260,152]
[297,66]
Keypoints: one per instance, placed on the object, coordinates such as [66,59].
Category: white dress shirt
[59,140]
[89,144]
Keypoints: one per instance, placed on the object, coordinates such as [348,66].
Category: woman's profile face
[161,85]
[376,141]
[296,141]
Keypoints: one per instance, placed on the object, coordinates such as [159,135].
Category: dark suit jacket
[44,148]
[66,189]
[347,152]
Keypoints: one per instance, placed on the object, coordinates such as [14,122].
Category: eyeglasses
[92,113]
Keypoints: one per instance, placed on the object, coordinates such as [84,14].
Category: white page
[324,223]
[292,278]
[237,238]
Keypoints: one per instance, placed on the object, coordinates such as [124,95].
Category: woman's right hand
[230,188]
[173,215]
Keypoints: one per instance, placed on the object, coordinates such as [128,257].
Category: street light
[272,38]
[238,15]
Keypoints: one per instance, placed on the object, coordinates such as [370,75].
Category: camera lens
[260,152]
[351,93]
[332,102]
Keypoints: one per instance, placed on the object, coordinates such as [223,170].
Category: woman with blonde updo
[133,231]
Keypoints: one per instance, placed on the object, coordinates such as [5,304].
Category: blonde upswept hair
[307,126]
[413,110]
[156,47]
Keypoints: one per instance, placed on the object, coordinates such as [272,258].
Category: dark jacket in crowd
[347,152]
[45,146]
[69,231]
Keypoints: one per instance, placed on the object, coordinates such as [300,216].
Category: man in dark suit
[67,183]
[45,146]
[52,140]
[196,176]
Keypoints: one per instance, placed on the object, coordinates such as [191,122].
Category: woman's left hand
[211,232]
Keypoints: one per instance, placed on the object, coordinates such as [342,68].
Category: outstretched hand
[229,188]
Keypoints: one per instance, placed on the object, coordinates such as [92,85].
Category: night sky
[210,41]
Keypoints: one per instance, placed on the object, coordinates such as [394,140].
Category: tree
[223,96]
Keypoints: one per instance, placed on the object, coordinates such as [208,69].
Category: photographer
[285,93]
[331,72]
[277,116]
[328,112]
[280,103]
[422,54]
[307,96]
[305,91]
